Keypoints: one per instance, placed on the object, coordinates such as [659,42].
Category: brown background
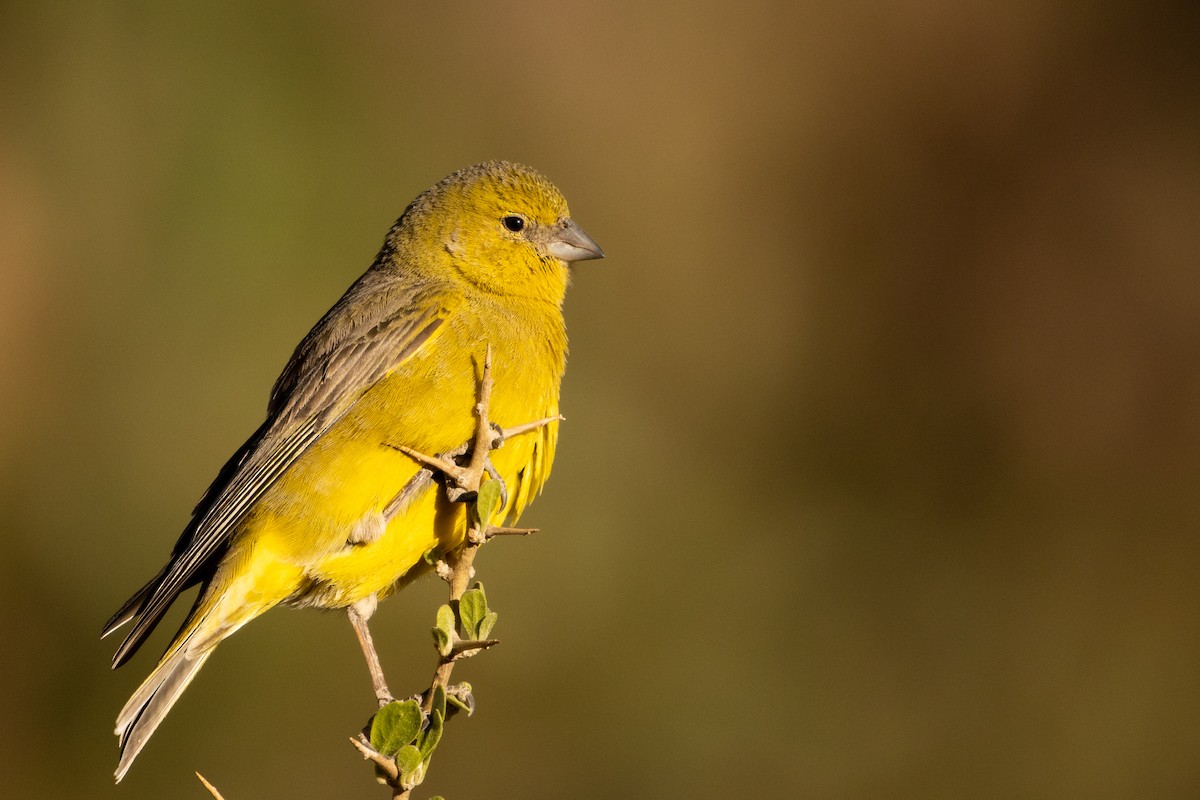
[880,471]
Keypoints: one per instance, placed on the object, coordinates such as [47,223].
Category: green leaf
[486,625]
[395,725]
[443,634]
[439,701]
[442,642]
[445,619]
[487,502]
[432,735]
[472,608]
[410,764]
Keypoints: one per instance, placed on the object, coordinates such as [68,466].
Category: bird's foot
[359,613]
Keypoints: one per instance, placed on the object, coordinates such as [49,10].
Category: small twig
[435,463]
[517,430]
[485,436]
[500,530]
[460,570]
[388,765]
[469,647]
[211,789]
[474,537]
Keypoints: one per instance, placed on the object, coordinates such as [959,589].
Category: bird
[324,506]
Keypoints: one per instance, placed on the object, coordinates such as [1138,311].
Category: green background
[880,475]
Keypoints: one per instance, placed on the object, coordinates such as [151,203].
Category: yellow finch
[320,507]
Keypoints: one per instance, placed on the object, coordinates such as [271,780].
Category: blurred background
[880,471]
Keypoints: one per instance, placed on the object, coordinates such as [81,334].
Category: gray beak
[571,243]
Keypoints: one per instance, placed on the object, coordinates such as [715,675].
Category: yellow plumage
[320,508]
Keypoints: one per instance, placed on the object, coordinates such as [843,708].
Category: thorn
[211,789]
[467,647]
[526,427]
[500,530]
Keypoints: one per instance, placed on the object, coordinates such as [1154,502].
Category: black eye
[514,223]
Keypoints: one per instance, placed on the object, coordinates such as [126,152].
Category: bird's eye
[514,223]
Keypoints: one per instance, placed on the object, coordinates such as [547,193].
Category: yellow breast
[320,535]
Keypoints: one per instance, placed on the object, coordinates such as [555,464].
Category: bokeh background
[880,476]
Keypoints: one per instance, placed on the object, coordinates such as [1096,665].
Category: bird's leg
[359,613]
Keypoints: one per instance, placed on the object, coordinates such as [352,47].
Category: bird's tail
[221,608]
[203,630]
[151,702]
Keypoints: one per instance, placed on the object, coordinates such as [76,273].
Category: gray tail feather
[153,699]
[132,607]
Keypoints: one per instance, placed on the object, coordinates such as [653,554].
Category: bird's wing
[378,324]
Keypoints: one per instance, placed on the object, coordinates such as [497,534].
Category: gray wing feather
[376,325]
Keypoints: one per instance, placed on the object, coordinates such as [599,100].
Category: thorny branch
[457,568]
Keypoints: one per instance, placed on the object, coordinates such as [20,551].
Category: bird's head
[499,226]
